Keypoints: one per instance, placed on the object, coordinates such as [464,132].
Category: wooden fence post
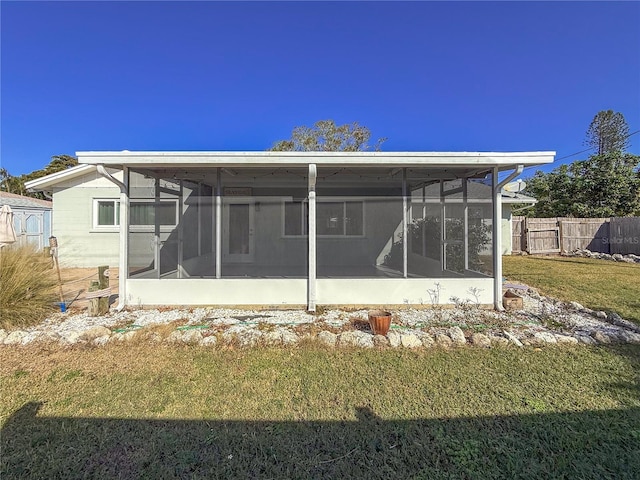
[93,302]
[103,282]
[99,302]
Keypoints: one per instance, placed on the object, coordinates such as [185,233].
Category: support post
[497,232]
[180,269]
[443,230]
[103,282]
[218,223]
[94,306]
[405,239]
[156,228]
[465,214]
[497,244]
[311,300]
[123,264]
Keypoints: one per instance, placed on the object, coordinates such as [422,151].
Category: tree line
[11,184]
[606,184]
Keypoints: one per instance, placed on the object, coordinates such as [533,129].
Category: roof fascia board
[283,159]
[54,178]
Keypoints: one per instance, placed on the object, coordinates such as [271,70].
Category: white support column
[405,239]
[497,232]
[199,218]
[465,214]
[123,264]
[156,228]
[123,269]
[180,270]
[443,230]
[218,231]
[497,236]
[312,295]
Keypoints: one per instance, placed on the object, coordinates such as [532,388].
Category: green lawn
[597,284]
[157,411]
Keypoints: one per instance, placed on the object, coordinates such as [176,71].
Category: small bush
[27,287]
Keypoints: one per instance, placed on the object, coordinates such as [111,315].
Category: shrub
[27,287]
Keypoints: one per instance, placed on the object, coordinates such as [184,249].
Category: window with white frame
[106,213]
[144,213]
[333,218]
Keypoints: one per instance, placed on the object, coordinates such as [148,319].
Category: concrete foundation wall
[283,292]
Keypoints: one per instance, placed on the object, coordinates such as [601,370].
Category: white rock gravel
[543,321]
[410,340]
[480,340]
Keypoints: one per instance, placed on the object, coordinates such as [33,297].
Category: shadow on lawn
[593,444]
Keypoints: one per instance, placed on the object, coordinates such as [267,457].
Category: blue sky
[430,76]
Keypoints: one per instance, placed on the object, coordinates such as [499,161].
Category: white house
[289,228]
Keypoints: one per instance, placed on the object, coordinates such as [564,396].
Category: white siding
[79,244]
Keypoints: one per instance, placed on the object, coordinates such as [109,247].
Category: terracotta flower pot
[380,321]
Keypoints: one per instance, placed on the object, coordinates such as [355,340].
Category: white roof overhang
[502,160]
[43,183]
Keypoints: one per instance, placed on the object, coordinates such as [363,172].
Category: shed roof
[19,201]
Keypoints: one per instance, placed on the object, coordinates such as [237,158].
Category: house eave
[43,183]
[502,160]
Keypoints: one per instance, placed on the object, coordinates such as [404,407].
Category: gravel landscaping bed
[542,321]
[616,257]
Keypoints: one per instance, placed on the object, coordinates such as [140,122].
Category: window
[143,212]
[106,213]
[342,218]
[296,218]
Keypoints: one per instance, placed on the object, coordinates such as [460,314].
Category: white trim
[96,227]
[133,228]
[218,224]
[54,178]
[123,264]
[312,290]
[405,225]
[276,159]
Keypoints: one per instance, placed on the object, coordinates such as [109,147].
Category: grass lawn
[596,284]
[157,411]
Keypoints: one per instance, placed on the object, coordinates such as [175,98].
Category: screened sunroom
[301,229]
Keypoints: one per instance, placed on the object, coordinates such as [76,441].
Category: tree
[606,184]
[9,183]
[603,186]
[554,192]
[608,132]
[326,136]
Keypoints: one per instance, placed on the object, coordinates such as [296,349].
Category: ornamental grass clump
[27,287]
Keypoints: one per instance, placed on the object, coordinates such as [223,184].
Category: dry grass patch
[27,287]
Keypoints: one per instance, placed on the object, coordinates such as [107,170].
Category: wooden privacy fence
[566,234]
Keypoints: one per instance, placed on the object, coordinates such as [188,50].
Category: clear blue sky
[481,76]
